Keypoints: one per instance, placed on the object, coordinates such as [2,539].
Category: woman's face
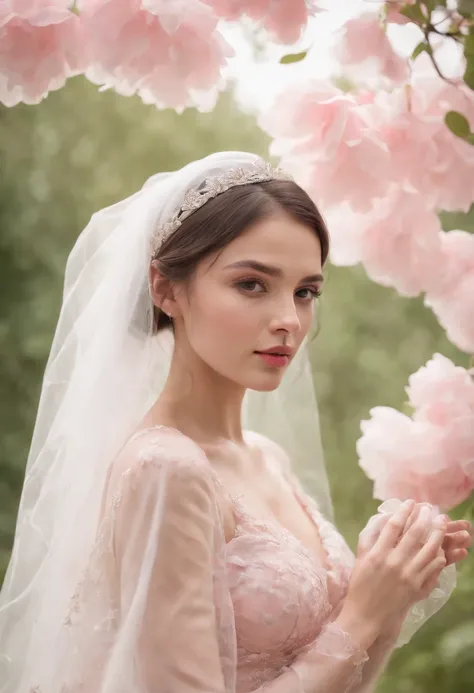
[257,293]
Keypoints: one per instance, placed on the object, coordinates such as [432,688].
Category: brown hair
[224,218]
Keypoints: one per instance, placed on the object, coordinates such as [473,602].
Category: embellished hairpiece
[195,198]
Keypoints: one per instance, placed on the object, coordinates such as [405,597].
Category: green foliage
[422,47]
[461,17]
[293,58]
[80,150]
[459,126]
[414,13]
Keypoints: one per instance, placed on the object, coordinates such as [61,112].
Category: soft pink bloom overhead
[284,19]
[452,174]
[400,244]
[393,11]
[411,459]
[325,140]
[409,137]
[169,54]
[40,47]
[365,41]
[424,153]
[452,300]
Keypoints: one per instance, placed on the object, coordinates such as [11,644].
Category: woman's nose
[287,320]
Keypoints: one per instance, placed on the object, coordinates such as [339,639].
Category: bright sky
[258,79]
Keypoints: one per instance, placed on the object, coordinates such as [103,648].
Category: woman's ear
[162,291]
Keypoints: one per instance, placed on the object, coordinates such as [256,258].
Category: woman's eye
[310,293]
[251,285]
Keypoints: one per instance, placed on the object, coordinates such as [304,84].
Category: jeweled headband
[196,197]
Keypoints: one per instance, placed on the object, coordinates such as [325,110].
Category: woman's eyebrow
[268,269]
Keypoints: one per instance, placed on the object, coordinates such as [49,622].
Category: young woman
[165,543]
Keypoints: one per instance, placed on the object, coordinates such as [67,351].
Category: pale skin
[260,292]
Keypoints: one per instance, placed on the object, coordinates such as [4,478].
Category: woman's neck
[199,402]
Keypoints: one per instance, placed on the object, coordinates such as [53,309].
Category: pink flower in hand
[40,47]
[452,299]
[365,42]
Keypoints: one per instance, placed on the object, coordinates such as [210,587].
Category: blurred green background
[80,150]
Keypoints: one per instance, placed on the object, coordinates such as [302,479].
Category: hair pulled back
[225,217]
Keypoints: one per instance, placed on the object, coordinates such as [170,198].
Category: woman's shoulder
[270,448]
[150,452]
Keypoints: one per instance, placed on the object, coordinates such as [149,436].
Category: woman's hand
[457,541]
[399,559]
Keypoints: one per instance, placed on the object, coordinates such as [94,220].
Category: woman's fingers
[416,536]
[371,532]
[456,555]
[459,526]
[394,528]
[457,540]
[431,549]
[431,572]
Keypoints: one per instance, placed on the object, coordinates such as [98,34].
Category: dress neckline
[244,517]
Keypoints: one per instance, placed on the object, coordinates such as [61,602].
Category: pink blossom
[323,137]
[40,47]
[424,153]
[409,137]
[411,459]
[443,395]
[393,8]
[364,42]
[452,299]
[169,54]
[398,241]
[284,19]
[452,173]
[441,392]
[401,243]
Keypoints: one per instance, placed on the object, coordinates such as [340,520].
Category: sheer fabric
[167,606]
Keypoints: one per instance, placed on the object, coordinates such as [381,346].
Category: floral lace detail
[195,198]
[283,595]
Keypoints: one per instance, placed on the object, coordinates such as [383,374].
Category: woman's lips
[274,360]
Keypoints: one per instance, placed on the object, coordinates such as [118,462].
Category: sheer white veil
[105,369]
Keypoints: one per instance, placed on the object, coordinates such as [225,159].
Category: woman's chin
[266,383]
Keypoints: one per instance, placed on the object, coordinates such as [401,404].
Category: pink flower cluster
[393,7]
[430,455]
[40,47]
[169,52]
[381,165]
[365,41]
[284,19]
[452,297]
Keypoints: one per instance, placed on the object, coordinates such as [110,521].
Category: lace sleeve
[164,544]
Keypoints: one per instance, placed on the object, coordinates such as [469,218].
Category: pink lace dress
[166,605]
[281,592]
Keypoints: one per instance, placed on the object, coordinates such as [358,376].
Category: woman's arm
[379,655]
